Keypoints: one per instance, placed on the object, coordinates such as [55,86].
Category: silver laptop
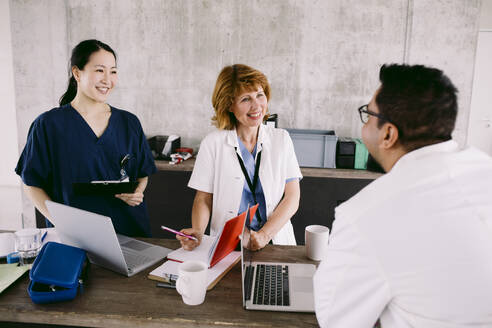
[95,234]
[275,286]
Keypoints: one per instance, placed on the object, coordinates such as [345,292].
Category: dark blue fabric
[62,149]
[247,197]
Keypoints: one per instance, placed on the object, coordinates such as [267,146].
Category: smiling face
[250,108]
[98,77]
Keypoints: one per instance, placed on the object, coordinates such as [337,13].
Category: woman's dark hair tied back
[80,56]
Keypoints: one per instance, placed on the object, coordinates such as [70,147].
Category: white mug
[192,282]
[316,238]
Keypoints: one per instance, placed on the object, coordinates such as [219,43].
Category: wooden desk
[112,300]
[187,166]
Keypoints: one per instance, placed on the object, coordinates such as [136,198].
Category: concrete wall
[444,35]
[8,125]
[321,57]
[480,121]
[10,192]
[486,15]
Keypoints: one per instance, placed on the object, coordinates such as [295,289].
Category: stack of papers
[10,273]
[203,252]
[214,274]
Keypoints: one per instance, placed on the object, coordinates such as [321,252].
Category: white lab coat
[217,171]
[414,247]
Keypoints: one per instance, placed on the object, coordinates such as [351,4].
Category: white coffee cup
[316,238]
[27,243]
[192,282]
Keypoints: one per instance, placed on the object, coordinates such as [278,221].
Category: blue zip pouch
[57,273]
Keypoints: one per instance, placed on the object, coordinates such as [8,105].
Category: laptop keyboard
[136,245]
[134,260]
[248,280]
[271,284]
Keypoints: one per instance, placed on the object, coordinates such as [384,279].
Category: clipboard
[101,188]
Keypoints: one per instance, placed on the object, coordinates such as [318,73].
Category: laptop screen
[247,258]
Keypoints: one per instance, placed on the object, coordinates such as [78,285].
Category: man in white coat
[413,248]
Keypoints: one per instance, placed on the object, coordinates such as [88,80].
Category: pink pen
[178,233]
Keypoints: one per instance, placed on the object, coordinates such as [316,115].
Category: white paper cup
[192,282]
[316,238]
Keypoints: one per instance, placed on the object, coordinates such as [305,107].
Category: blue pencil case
[57,273]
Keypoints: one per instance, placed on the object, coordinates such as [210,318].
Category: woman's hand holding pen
[187,243]
[131,199]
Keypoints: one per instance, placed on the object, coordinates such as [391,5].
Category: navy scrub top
[62,149]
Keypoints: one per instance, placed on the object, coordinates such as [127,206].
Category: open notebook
[214,248]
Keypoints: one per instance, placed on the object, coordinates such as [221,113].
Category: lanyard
[252,185]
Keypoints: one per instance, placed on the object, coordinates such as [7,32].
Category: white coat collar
[441,147]
[262,139]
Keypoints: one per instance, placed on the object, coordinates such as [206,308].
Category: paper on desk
[214,274]
[201,253]
[50,236]
[10,273]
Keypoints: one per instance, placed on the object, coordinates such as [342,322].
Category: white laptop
[95,234]
[275,286]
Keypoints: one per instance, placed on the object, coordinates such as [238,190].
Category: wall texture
[10,191]
[321,57]
[486,15]
[8,125]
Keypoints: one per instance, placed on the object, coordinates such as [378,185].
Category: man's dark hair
[421,102]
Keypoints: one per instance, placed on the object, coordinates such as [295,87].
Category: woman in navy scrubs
[85,140]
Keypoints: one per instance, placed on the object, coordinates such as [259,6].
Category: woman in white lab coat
[243,163]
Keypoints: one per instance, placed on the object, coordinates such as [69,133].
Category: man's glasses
[365,113]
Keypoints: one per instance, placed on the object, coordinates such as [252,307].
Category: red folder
[229,238]
[212,250]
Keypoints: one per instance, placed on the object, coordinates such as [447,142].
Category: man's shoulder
[412,179]
[472,154]
[366,200]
